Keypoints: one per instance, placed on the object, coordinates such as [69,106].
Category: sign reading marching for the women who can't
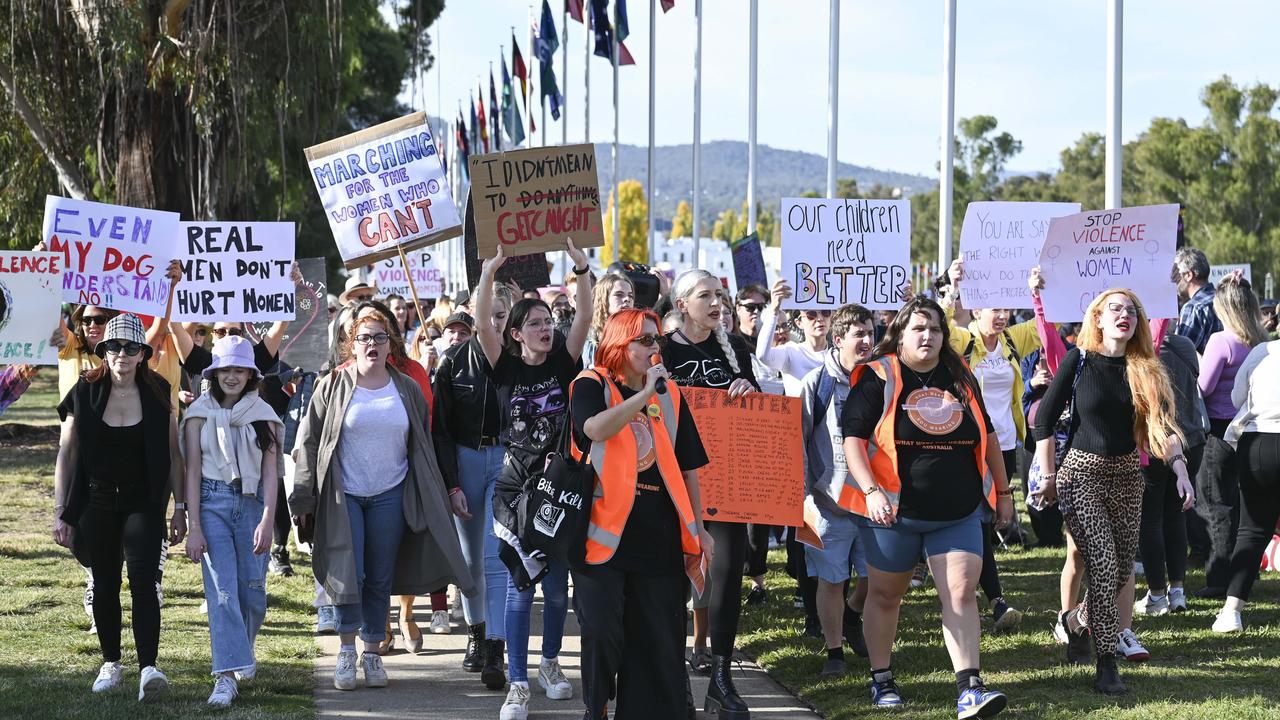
[1000,243]
[383,188]
[112,256]
[30,288]
[423,268]
[1088,253]
[838,251]
[235,272]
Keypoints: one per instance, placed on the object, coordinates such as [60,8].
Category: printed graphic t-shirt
[703,365]
[533,401]
[936,438]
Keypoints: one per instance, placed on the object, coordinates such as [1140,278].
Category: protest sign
[1000,243]
[112,256]
[1217,272]
[384,187]
[235,272]
[748,262]
[306,340]
[529,201]
[528,272]
[1088,253]
[837,251]
[391,277]
[30,299]
[756,450]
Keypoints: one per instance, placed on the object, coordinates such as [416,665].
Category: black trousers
[1258,462]
[1218,502]
[725,605]
[132,537]
[633,630]
[282,522]
[757,550]
[989,580]
[1162,539]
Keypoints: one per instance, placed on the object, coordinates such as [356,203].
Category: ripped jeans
[235,580]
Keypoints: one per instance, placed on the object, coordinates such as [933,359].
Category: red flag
[575,8]
[484,131]
[667,5]
[624,55]
[518,69]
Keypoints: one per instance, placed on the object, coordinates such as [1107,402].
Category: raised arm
[1054,348]
[775,358]
[156,333]
[582,317]
[490,338]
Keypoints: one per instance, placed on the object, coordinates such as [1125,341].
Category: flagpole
[833,99]
[564,74]
[1115,92]
[586,81]
[697,133]
[528,70]
[946,192]
[653,81]
[752,49]
[617,197]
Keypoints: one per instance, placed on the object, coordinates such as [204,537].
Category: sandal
[699,661]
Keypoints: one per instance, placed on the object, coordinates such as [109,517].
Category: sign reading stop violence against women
[383,188]
[391,277]
[112,256]
[754,443]
[838,251]
[530,201]
[237,272]
[1000,243]
[30,292]
[1091,252]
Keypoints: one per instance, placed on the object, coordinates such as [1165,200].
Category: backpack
[1062,443]
[1008,343]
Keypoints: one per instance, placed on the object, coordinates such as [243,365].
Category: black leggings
[135,534]
[1162,539]
[989,580]
[1258,465]
[726,590]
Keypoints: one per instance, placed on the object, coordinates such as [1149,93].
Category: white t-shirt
[995,376]
[373,450]
[793,359]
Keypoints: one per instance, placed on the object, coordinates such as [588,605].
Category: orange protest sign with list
[756,473]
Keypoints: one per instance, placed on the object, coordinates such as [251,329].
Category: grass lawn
[47,659]
[1193,672]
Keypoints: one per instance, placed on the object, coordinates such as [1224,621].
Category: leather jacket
[465,402]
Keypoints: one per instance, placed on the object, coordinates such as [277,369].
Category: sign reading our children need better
[384,188]
[1000,243]
[530,201]
[1091,252]
[235,272]
[838,251]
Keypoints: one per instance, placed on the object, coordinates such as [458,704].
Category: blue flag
[547,42]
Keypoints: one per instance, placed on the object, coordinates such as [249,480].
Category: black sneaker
[1003,617]
[757,595]
[279,563]
[812,628]
[853,636]
[833,668]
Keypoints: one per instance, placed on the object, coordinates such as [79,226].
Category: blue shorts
[897,548]
[842,548]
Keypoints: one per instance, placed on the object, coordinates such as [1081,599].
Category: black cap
[460,317]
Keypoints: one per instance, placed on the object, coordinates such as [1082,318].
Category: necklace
[925,380]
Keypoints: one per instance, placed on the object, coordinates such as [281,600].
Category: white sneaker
[247,674]
[152,685]
[375,676]
[1228,621]
[1177,600]
[1127,644]
[456,613]
[1152,605]
[440,623]
[344,673]
[108,677]
[204,607]
[224,690]
[552,679]
[516,706]
[326,619]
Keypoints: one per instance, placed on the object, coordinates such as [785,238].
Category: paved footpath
[433,685]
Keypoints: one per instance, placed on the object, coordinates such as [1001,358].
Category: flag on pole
[511,108]
[667,5]
[574,8]
[604,34]
[547,44]
[464,151]
[518,68]
[620,19]
[484,130]
[475,126]
[493,110]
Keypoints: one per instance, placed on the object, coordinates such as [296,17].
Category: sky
[1038,66]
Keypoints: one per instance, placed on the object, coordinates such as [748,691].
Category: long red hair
[622,327]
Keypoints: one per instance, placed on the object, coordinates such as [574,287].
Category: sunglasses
[88,320]
[223,332]
[113,347]
[752,307]
[649,339]
[815,314]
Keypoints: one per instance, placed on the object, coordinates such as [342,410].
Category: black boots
[722,696]
[473,661]
[1108,679]
[494,675]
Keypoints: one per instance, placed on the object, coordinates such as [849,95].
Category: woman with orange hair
[646,537]
[1121,402]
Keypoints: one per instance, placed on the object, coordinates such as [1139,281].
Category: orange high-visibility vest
[614,461]
[882,450]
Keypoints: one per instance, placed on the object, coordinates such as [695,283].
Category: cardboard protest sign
[528,272]
[531,200]
[1088,253]
[306,341]
[757,456]
[748,262]
[838,251]
[112,256]
[30,300]
[235,272]
[1217,272]
[1000,243]
[424,268]
[384,187]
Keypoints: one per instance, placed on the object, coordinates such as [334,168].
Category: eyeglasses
[367,339]
[223,332]
[1120,309]
[88,320]
[113,347]
[538,324]
[649,339]
[815,314]
[752,307]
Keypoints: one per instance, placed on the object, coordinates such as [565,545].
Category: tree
[726,227]
[682,223]
[633,225]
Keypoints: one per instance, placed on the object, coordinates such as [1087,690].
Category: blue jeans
[555,603]
[377,524]
[235,579]
[478,472]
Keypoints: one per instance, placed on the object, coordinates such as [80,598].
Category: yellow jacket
[1023,337]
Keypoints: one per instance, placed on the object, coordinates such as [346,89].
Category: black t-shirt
[270,389]
[533,401]
[936,437]
[650,541]
[704,365]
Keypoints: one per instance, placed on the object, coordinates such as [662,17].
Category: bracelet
[582,270]
[180,506]
[1004,493]
[874,489]
[1176,458]
[455,491]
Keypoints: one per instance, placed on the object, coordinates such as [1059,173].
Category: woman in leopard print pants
[1121,405]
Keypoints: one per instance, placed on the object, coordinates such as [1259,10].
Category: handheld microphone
[661,386]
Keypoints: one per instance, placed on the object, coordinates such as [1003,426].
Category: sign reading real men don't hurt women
[235,272]
[838,251]
[383,188]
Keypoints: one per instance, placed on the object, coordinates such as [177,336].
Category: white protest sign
[1091,252]
[30,299]
[424,267]
[384,187]
[999,243]
[838,251]
[1217,272]
[112,256]
[237,272]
